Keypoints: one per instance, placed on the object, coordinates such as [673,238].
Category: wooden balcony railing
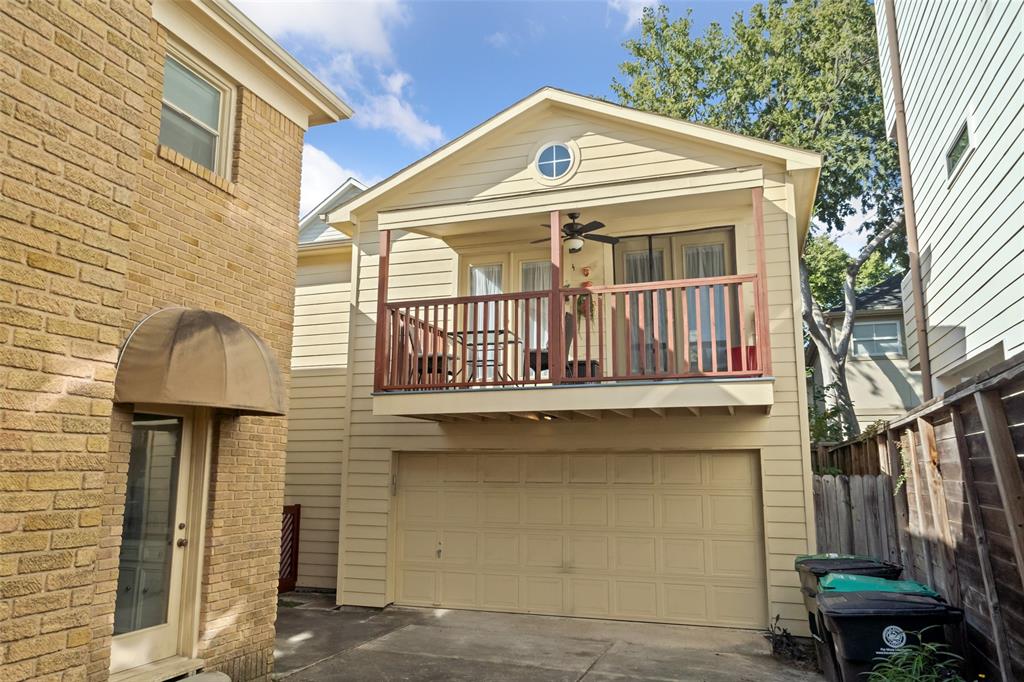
[626,332]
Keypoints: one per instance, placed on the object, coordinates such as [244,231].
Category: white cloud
[361,26]
[391,110]
[352,53]
[321,175]
[498,40]
[633,9]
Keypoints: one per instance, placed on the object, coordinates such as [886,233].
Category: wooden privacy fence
[959,514]
[289,571]
[859,456]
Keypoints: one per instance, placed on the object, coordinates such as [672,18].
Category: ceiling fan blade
[591,226]
[541,241]
[603,238]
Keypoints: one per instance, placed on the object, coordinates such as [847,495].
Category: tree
[799,72]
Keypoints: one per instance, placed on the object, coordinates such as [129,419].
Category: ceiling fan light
[575,244]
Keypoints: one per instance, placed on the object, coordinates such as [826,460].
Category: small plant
[905,465]
[825,415]
[921,662]
[789,648]
[830,471]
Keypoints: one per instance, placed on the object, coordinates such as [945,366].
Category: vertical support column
[764,342]
[556,323]
[380,346]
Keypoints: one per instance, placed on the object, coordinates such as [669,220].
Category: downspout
[909,214]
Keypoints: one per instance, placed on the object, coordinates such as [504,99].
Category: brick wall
[98,228]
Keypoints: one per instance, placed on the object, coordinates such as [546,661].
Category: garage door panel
[673,537]
[501,549]
[682,512]
[637,599]
[588,552]
[459,507]
[590,597]
[499,468]
[459,589]
[633,469]
[634,510]
[681,469]
[588,469]
[544,551]
[636,554]
[544,595]
[683,556]
[501,508]
[544,508]
[588,509]
[544,468]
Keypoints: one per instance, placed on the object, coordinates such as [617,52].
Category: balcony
[692,345]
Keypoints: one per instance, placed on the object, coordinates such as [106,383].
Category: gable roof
[886,295]
[313,230]
[798,160]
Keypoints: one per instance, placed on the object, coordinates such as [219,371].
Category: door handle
[182,542]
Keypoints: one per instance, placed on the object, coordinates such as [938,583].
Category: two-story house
[575,377]
[149,159]
[954,73]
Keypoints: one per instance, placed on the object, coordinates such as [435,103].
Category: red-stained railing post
[556,324]
[380,349]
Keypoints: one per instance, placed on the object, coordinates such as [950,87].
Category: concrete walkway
[318,642]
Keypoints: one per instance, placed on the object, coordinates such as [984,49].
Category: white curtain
[706,260]
[536,276]
[484,280]
[647,266]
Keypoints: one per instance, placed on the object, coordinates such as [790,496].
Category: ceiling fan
[573,234]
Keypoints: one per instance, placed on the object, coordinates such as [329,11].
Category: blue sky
[420,73]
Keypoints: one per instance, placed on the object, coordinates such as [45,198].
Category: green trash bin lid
[844,582]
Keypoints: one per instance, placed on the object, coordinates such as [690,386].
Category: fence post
[995,611]
[940,515]
[1004,461]
[900,502]
[915,479]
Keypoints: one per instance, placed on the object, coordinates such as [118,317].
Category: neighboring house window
[877,339]
[958,150]
[554,161]
[194,120]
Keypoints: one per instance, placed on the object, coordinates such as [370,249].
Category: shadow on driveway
[397,643]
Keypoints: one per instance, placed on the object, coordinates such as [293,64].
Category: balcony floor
[586,401]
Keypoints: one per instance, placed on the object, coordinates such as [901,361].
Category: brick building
[150,155]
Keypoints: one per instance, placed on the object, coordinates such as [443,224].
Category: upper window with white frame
[877,339]
[194,119]
[958,150]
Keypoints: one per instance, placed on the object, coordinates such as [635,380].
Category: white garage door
[672,537]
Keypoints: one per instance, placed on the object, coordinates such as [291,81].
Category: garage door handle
[439,550]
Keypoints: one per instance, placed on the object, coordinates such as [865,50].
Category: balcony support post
[556,325]
[763,331]
[380,355]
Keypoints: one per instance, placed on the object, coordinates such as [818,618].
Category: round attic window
[554,161]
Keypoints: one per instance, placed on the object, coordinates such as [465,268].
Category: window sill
[187,164]
[167,669]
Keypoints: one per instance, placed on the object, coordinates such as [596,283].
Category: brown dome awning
[181,356]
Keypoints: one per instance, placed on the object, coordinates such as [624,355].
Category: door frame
[191,508]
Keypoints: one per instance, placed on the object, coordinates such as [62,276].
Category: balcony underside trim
[621,398]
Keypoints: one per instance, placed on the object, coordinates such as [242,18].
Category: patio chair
[536,360]
[424,363]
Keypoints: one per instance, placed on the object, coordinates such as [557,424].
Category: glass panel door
[649,354]
[485,280]
[700,261]
[147,605]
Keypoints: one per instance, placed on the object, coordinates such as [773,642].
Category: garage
[670,536]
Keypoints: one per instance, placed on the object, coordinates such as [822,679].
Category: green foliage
[905,465]
[922,662]
[799,72]
[826,270]
[825,415]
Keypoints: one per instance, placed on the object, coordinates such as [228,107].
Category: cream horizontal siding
[960,60]
[318,410]
[779,437]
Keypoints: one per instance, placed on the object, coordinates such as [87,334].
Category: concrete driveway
[319,642]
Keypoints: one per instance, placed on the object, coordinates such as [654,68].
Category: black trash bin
[812,568]
[864,626]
